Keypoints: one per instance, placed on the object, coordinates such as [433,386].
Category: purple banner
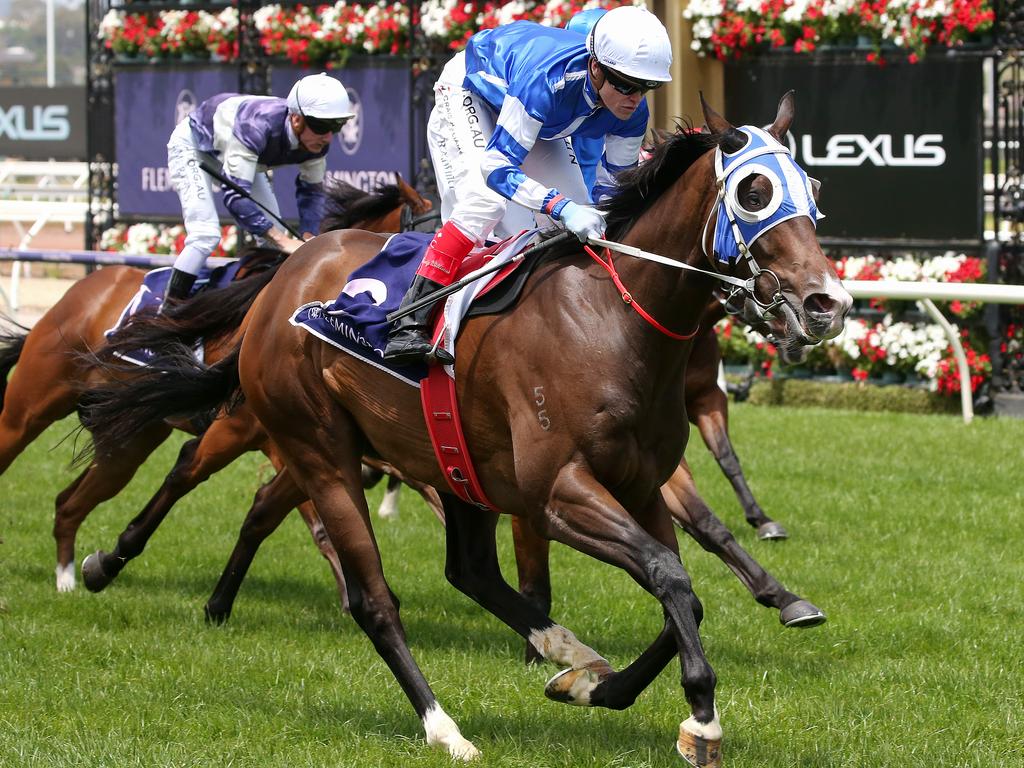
[377,143]
[148,103]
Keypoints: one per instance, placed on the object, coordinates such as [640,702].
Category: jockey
[504,111]
[244,136]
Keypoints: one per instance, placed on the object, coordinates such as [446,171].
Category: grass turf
[905,530]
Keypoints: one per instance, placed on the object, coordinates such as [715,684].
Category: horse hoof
[216,616]
[698,751]
[801,614]
[574,686]
[770,531]
[93,575]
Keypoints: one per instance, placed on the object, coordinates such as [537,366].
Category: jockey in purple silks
[244,136]
[505,112]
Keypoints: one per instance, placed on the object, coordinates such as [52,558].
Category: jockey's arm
[309,194]
[241,154]
[515,133]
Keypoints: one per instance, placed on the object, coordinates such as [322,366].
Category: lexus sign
[43,123]
[898,148]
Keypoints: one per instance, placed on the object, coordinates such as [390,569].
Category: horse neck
[673,227]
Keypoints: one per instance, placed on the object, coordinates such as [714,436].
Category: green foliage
[850,396]
[905,530]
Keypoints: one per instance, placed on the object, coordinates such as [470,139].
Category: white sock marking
[442,731]
[66,577]
[711,731]
[389,505]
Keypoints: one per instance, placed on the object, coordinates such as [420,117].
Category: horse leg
[323,543]
[693,515]
[272,503]
[710,414]
[102,480]
[327,467]
[199,458]
[29,408]
[583,514]
[534,574]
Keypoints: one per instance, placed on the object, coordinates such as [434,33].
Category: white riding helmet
[633,42]
[320,96]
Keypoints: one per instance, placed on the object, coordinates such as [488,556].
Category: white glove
[582,220]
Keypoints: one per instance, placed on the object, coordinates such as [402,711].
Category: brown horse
[53,351]
[590,476]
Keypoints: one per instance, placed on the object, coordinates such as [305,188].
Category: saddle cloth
[356,321]
[150,296]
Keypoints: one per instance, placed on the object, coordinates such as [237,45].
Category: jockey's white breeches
[459,128]
[195,191]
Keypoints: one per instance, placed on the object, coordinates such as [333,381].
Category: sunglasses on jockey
[321,125]
[625,85]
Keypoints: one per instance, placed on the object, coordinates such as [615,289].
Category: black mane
[346,205]
[639,187]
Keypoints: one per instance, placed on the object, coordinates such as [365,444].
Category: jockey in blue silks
[505,112]
[246,135]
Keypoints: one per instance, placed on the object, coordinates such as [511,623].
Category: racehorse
[591,476]
[49,376]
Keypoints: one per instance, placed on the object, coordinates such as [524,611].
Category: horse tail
[12,342]
[207,316]
[174,386]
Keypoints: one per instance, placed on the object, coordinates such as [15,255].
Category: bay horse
[614,398]
[50,375]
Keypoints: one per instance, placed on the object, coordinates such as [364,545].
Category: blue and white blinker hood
[736,229]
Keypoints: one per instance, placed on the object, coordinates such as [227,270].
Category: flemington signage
[150,102]
[43,123]
[897,148]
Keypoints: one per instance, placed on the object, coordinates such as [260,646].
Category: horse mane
[639,187]
[347,205]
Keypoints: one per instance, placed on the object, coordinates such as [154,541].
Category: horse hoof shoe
[697,751]
[93,576]
[802,614]
[771,531]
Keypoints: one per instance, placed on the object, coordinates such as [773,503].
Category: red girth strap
[628,297]
[441,411]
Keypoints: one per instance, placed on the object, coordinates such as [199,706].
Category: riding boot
[178,287]
[408,340]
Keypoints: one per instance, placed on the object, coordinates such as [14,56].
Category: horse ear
[715,122]
[784,117]
[730,139]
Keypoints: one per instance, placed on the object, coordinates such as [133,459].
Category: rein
[628,297]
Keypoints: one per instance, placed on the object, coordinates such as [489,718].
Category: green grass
[905,529]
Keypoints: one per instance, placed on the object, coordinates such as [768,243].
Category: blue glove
[582,220]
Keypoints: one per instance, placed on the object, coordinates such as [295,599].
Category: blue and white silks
[535,79]
[792,192]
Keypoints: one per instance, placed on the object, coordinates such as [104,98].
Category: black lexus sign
[43,123]
[897,148]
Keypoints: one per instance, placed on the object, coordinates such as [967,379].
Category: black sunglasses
[626,86]
[322,126]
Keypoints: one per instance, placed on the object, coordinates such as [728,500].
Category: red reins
[628,297]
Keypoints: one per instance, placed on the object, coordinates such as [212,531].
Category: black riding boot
[408,341]
[178,286]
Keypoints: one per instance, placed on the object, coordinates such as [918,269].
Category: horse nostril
[819,304]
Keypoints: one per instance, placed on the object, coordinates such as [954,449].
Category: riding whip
[204,163]
[441,293]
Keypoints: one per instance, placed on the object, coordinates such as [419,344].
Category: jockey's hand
[308,235]
[283,240]
[582,220]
